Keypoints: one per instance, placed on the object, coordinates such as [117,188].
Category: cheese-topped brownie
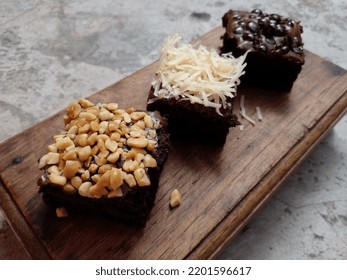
[194,88]
[275,46]
[107,161]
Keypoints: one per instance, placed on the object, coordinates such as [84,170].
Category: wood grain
[221,188]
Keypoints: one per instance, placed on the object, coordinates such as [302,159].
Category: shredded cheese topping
[243,111]
[259,113]
[197,74]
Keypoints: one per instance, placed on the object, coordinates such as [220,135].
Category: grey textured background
[52,52]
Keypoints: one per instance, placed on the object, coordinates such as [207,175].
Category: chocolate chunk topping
[270,40]
[238,30]
[248,36]
[280,30]
[257,12]
[275,17]
[253,26]
[266,33]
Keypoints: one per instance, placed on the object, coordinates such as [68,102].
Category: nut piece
[70,155]
[61,212]
[98,191]
[53,158]
[84,188]
[149,161]
[71,168]
[84,153]
[57,179]
[137,115]
[111,145]
[53,148]
[115,193]
[43,161]
[148,121]
[81,139]
[175,199]
[111,106]
[69,188]
[50,158]
[85,103]
[63,143]
[73,110]
[113,157]
[129,179]
[105,115]
[54,169]
[140,142]
[130,165]
[76,181]
[127,117]
[141,177]
[116,179]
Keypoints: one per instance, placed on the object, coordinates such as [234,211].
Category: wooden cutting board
[222,188]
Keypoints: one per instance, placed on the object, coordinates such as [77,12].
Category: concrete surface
[52,52]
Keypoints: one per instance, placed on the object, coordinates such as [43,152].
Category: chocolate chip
[237,17]
[261,48]
[296,41]
[291,23]
[241,23]
[248,36]
[269,30]
[257,12]
[278,46]
[253,26]
[270,40]
[284,50]
[299,49]
[275,17]
[252,16]
[264,22]
[238,30]
[279,30]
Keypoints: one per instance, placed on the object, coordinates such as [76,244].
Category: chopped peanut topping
[57,179]
[102,150]
[61,212]
[141,177]
[175,199]
[73,110]
[140,142]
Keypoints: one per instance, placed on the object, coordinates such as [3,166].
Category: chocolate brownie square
[195,88]
[107,161]
[274,43]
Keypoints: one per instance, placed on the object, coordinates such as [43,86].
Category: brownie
[107,162]
[194,88]
[195,121]
[275,46]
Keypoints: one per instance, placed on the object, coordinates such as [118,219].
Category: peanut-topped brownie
[194,88]
[107,160]
[275,46]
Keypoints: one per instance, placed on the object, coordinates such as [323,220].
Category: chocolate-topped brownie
[275,46]
[194,88]
[107,161]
